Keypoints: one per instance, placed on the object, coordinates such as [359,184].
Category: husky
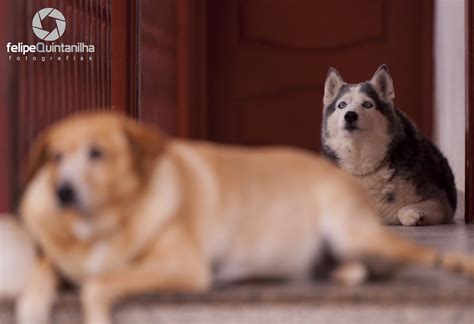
[366,135]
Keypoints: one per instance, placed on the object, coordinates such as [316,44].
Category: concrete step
[412,296]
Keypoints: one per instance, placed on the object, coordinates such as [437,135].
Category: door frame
[124,56]
[469,195]
[192,68]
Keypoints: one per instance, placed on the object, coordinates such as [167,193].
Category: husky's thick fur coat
[366,135]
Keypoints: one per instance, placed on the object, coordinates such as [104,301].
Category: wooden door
[267,61]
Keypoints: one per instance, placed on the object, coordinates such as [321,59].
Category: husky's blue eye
[341,105]
[367,104]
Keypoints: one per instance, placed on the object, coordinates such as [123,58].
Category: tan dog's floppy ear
[332,86]
[382,81]
[37,156]
[145,144]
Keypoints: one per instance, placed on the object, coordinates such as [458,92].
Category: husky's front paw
[410,216]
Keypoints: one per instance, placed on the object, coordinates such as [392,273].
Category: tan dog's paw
[96,305]
[350,274]
[458,262]
[34,304]
[410,216]
[31,311]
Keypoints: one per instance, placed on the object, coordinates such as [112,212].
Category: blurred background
[236,71]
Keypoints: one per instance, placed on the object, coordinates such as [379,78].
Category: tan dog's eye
[56,157]
[95,153]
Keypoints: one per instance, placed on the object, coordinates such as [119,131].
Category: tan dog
[121,210]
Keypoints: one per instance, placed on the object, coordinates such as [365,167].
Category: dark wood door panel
[289,127]
[267,61]
[302,25]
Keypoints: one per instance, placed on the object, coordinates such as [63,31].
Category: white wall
[450,83]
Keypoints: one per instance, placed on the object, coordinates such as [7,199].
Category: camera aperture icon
[49,35]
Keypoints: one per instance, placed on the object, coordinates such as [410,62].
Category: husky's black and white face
[354,110]
[359,120]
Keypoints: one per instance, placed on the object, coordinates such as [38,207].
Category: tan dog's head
[95,161]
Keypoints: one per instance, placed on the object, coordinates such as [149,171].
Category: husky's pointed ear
[332,86]
[382,81]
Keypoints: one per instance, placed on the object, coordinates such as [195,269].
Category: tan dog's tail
[388,247]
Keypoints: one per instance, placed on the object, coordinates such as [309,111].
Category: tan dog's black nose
[66,194]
